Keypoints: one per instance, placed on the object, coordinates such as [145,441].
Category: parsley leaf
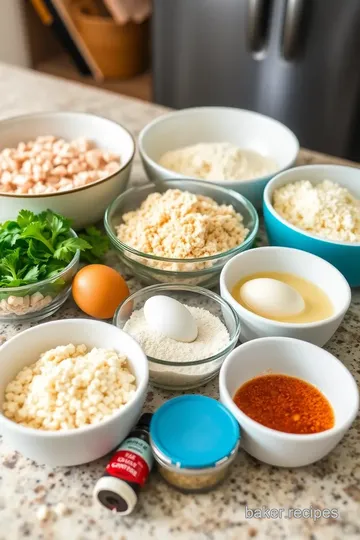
[9,233]
[100,244]
[58,225]
[36,252]
[25,217]
[35,230]
[51,269]
[31,275]
[66,249]
[8,265]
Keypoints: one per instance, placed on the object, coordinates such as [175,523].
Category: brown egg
[98,290]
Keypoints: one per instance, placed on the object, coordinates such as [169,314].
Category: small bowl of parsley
[39,257]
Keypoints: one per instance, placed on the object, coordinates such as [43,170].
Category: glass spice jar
[194,440]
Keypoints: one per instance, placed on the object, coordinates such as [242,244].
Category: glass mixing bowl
[38,300]
[203,271]
[179,375]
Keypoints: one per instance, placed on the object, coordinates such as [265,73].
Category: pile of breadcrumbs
[327,209]
[180,225]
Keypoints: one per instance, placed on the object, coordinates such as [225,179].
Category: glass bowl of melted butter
[285,292]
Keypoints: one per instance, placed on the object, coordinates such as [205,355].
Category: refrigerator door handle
[256,28]
[294,12]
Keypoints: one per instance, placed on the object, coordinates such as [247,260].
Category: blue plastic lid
[194,431]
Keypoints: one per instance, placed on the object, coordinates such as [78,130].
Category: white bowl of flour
[235,148]
[176,365]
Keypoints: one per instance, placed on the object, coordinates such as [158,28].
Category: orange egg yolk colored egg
[98,290]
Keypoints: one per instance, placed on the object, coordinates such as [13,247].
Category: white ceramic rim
[142,386]
[19,118]
[295,437]
[256,317]
[271,186]
[225,183]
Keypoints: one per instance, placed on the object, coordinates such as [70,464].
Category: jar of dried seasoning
[194,440]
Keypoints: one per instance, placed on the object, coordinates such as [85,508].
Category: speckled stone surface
[162,512]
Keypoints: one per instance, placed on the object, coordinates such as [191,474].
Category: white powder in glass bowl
[213,337]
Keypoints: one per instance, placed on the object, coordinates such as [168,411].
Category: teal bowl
[345,256]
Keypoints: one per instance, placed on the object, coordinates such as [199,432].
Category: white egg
[272,297]
[171,318]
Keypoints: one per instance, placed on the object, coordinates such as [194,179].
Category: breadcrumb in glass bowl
[199,270]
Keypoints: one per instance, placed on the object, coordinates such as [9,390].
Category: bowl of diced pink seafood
[72,163]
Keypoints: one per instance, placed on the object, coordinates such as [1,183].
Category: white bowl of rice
[40,364]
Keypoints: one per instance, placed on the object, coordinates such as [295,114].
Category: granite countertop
[162,512]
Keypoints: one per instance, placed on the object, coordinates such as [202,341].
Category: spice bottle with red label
[127,470]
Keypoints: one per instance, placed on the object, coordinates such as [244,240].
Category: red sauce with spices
[286,404]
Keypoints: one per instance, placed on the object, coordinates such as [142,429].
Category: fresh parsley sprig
[100,244]
[35,247]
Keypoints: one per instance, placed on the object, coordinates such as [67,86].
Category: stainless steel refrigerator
[295,60]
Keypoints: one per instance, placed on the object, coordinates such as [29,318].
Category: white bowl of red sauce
[293,400]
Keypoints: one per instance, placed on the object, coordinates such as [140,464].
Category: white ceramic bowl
[81,445]
[298,359]
[293,261]
[246,129]
[84,205]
